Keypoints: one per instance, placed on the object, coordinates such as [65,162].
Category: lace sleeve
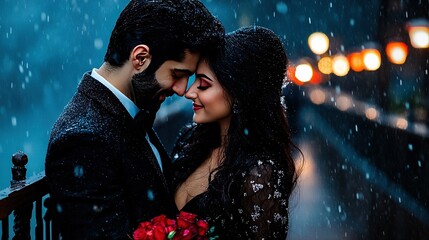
[265,202]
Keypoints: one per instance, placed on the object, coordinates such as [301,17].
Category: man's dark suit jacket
[102,173]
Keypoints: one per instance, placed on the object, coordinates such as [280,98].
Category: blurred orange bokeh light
[356,61]
[397,52]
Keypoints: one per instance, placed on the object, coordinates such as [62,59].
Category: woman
[234,166]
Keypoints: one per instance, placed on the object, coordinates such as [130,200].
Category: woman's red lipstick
[197,106]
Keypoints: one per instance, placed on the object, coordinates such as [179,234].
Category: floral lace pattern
[263,208]
[259,204]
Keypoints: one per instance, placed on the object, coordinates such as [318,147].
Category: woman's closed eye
[203,84]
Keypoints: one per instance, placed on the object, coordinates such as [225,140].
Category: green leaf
[211,230]
[171,234]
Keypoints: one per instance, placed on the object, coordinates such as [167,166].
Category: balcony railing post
[39,220]
[50,227]
[22,215]
[19,160]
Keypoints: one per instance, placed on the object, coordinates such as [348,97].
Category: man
[105,166]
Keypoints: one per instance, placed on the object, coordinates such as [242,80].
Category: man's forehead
[184,71]
[189,63]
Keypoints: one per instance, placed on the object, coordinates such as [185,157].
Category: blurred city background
[358,101]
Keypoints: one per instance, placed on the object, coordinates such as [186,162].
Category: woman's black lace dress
[257,205]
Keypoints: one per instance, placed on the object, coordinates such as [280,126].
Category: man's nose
[179,87]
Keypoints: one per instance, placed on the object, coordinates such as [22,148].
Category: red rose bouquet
[186,226]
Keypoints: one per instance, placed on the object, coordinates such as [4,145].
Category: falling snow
[363,135]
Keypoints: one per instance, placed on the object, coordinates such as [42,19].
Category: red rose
[170,225]
[186,233]
[158,219]
[185,219]
[186,227]
[203,227]
[162,226]
[144,231]
[159,232]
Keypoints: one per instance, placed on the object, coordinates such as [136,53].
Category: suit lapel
[154,162]
[139,121]
[165,159]
[100,93]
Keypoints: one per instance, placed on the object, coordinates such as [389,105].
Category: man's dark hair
[168,27]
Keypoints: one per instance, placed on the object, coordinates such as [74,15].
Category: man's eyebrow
[185,71]
[198,75]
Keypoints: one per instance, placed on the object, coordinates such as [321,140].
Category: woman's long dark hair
[252,71]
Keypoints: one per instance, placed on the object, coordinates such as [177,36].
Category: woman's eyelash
[202,88]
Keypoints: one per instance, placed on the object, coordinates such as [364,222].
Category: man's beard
[147,92]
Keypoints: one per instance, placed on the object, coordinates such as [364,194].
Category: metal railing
[19,200]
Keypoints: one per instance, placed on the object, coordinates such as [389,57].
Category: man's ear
[140,57]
